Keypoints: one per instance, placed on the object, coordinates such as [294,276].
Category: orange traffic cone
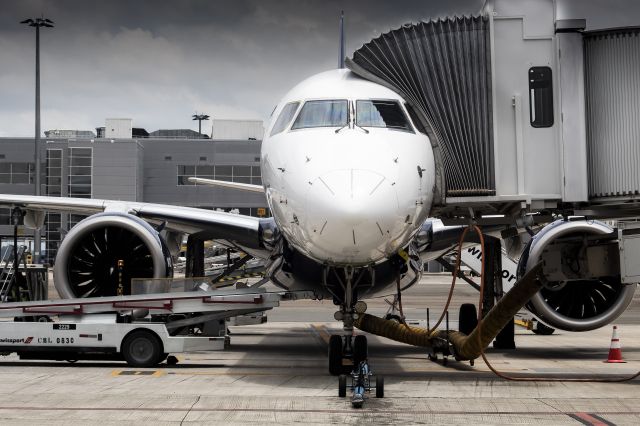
[615,352]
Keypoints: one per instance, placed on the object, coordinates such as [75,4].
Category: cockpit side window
[285,117]
[381,113]
[325,113]
[414,117]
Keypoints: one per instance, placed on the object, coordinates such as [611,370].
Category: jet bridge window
[379,113]
[326,113]
[540,97]
[285,117]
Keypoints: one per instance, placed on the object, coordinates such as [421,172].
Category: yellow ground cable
[466,347]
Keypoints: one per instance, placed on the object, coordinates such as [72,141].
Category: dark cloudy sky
[160,61]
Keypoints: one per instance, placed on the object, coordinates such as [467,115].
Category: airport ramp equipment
[227,301]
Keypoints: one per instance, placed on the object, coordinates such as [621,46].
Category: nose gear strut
[347,351]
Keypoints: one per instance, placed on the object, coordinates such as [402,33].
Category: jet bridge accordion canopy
[443,69]
[612,67]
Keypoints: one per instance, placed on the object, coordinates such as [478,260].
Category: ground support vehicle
[143,329]
[360,384]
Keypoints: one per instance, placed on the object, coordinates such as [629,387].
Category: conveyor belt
[183,302]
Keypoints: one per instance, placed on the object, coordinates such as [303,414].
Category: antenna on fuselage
[342,42]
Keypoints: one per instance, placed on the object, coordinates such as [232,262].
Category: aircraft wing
[239,229]
[226,184]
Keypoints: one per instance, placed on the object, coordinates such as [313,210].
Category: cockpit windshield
[381,113]
[325,113]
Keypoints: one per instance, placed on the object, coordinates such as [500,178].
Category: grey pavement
[276,373]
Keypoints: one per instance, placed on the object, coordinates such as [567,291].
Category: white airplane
[350,182]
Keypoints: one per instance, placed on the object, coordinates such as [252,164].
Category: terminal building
[146,169]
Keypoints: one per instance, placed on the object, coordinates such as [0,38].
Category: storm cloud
[158,62]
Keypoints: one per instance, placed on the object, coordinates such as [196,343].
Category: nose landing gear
[347,351]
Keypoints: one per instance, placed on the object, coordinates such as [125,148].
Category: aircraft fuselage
[343,193]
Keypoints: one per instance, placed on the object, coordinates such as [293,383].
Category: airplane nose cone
[352,215]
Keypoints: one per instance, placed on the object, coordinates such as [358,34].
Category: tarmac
[276,373]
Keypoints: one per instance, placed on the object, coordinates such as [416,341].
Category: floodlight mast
[37,23]
[200,118]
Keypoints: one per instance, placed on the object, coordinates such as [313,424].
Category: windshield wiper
[338,130]
[361,128]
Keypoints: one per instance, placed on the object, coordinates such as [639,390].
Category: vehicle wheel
[342,386]
[379,386]
[543,330]
[335,355]
[360,350]
[142,348]
[467,318]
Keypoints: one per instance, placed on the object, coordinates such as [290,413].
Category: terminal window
[6,218]
[540,97]
[80,172]
[53,166]
[229,173]
[17,173]
[53,235]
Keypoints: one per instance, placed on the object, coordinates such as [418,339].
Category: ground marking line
[336,411]
[590,419]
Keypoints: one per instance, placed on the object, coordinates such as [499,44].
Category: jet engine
[581,275]
[104,252]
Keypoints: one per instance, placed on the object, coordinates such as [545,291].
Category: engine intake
[105,252]
[581,275]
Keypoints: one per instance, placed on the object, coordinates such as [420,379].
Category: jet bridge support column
[493,290]
[195,257]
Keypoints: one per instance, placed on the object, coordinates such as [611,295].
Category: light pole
[37,23]
[341,53]
[200,117]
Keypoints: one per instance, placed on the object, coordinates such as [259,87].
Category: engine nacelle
[104,252]
[581,275]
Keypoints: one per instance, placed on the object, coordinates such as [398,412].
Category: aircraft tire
[467,318]
[360,349]
[335,355]
[379,386]
[342,386]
